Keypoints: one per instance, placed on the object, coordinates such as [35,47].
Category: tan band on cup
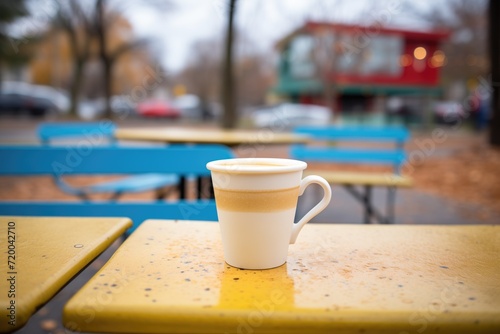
[256,201]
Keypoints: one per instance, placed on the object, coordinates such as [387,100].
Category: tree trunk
[228,84]
[494,39]
[76,85]
[1,75]
[107,61]
[108,82]
[327,73]
[70,22]
[330,95]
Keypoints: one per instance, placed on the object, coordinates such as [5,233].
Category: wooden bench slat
[96,131]
[136,211]
[363,178]
[50,160]
[349,155]
[355,133]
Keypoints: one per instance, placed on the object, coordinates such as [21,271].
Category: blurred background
[384,62]
[266,64]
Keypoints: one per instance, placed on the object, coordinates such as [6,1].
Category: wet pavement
[412,207]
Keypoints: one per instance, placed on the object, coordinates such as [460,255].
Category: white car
[289,115]
[121,106]
[448,112]
[37,99]
[189,106]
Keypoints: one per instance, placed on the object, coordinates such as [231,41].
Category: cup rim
[240,165]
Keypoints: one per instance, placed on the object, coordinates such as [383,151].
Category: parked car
[158,109]
[121,106]
[36,100]
[90,109]
[192,107]
[448,112]
[189,106]
[288,115]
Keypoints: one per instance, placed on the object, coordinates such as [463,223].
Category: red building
[358,64]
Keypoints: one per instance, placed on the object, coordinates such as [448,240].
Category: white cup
[256,200]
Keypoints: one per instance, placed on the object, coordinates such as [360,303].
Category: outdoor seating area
[256,167]
[193,282]
[171,166]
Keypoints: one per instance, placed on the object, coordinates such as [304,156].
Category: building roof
[373,29]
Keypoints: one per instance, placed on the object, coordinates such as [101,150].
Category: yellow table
[210,136]
[40,255]
[169,277]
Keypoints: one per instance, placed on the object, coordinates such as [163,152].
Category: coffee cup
[256,200]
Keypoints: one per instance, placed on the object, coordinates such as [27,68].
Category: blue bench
[96,133]
[326,150]
[111,160]
[92,134]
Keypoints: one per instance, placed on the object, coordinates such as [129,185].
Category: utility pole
[228,82]
[494,41]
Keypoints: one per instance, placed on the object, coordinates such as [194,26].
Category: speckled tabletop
[41,254]
[170,277]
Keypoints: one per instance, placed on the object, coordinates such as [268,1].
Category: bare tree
[329,47]
[466,50]
[73,20]
[324,58]
[252,72]
[202,68]
[10,11]
[87,24]
[103,19]
[254,75]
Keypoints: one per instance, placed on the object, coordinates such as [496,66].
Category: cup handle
[317,208]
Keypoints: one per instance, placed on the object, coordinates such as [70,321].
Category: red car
[157,109]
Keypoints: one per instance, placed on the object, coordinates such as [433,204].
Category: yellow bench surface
[170,277]
[40,255]
[363,178]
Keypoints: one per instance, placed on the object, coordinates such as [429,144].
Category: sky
[193,20]
[263,21]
